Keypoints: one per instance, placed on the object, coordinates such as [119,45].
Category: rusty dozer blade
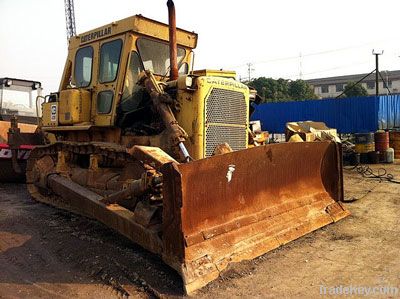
[240,205]
[213,211]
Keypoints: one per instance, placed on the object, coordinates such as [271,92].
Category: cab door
[106,92]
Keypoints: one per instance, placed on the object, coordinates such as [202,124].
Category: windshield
[18,102]
[83,66]
[155,56]
[109,60]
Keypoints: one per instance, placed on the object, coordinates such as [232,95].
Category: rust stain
[240,205]
[218,210]
[269,155]
[11,240]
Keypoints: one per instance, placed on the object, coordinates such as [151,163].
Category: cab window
[83,66]
[183,70]
[104,101]
[110,53]
[155,56]
[132,74]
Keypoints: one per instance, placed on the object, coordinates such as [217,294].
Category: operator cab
[134,113]
[18,97]
[103,65]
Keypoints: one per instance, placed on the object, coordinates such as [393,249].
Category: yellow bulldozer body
[138,151]
[128,31]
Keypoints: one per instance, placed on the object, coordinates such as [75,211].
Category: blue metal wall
[389,112]
[348,115]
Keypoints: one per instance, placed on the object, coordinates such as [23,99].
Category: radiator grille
[225,108]
[234,136]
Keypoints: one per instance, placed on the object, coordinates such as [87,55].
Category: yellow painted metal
[191,116]
[191,119]
[74,106]
[128,30]
[67,128]
[50,114]
[363,148]
[138,25]
[215,73]
[108,119]
[203,229]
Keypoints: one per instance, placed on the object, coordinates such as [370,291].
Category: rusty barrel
[381,144]
[364,143]
[394,141]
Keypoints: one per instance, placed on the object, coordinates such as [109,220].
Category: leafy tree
[354,90]
[301,90]
[282,90]
[259,84]
[271,90]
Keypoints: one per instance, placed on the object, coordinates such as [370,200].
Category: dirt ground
[49,253]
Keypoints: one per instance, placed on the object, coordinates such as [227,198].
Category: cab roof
[136,24]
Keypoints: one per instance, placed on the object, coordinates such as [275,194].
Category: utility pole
[249,70]
[377,70]
[387,82]
[300,66]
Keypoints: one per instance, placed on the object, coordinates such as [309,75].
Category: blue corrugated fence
[347,115]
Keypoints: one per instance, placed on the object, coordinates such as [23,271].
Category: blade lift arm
[161,103]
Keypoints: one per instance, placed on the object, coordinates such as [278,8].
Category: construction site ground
[50,253]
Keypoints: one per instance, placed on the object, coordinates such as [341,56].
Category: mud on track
[49,253]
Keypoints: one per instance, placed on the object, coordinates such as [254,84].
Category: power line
[330,69]
[250,69]
[337,68]
[307,54]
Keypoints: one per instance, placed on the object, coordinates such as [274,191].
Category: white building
[333,86]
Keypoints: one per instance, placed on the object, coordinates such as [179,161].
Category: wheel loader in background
[158,152]
[18,125]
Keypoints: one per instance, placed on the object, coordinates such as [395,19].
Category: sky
[287,38]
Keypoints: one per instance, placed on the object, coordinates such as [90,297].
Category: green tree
[282,90]
[301,90]
[271,90]
[355,90]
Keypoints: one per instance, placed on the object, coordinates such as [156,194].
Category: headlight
[189,81]
[185,82]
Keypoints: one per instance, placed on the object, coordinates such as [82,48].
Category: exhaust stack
[173,49]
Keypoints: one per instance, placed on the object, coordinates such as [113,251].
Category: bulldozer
[159,152]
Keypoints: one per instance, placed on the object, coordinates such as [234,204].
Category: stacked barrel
[394,140]
[364,145]
[377,147]
[382,144]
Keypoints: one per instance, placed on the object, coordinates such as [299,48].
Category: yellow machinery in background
[159,153]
